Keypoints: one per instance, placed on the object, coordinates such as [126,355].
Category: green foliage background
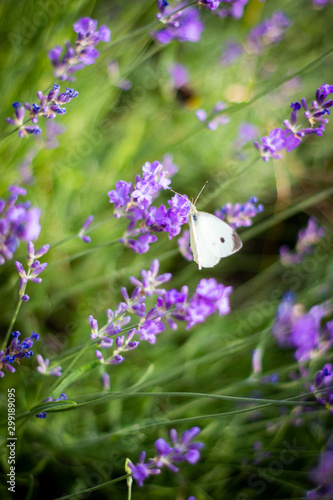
[109,135]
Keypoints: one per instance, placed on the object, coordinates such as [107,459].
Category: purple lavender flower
[234,8]
[322,387]
[322,475]
[271,145]
[306,241]
[232,51]
[167,455]
[210,4]
[215,119]
[85,226]
[34,268]
[300,330]
[43,414]
[269,32]
[24,130]
[170,306]
[135,203]
[182,25]
[239,215]
[18,223]
[291,137]
[44,367]
[84,52]
[179,74]
[319,4]
[16,351]
[246,132]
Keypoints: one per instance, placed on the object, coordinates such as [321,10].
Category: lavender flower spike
[34,269]
[44,367]
[306,241]
[16,351]
[239,215]
[24,130]
[182,25]
[167,455]
[84,52]
[18,222]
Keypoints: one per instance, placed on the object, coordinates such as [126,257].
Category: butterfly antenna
[203,187]
[182,195]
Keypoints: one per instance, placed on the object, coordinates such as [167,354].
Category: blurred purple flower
[239,215]
[167,455]
[269,32]
[322,387]
[234,8]
[182,25]
[18,222]
[16,351]
[246,132]
[322,475]
[84,52]
[85,226]
[306,241]
[24,130]
[215,119]
[232,51]
[179,74]
[184,246]
[302,331]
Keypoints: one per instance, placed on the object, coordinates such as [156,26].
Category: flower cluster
[170,306]
[181,450]
[34,268]
[269,32]
[16,351]
[322,387]
[44,367]
[291,136]
[84,52]
[18,222]
[322,475]
[210,4]
[182,25]
[135,203]
[234,8]
[303,331]
[43,414]
[215,119]
[238,215]
[49,107]
[306,241]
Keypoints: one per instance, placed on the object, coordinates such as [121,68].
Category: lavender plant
[246,364]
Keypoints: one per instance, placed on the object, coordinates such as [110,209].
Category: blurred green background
[110,133]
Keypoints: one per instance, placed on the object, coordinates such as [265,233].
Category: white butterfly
[211,239]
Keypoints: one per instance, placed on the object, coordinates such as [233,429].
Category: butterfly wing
[211,239]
